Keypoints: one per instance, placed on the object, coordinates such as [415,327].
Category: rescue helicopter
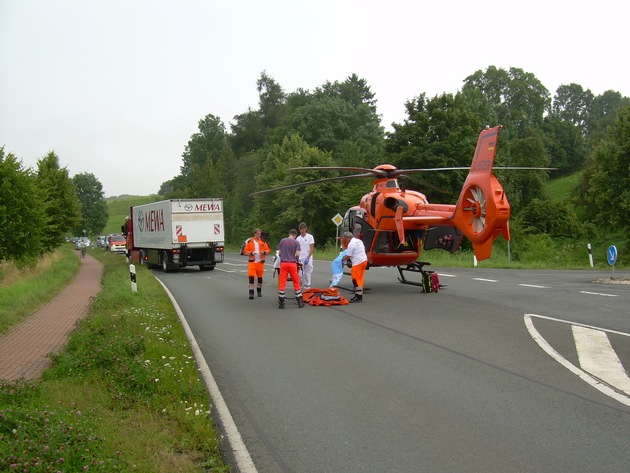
[396,224]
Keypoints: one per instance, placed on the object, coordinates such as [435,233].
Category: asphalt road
[501,371]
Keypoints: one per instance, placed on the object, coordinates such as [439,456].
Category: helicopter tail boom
[482,210]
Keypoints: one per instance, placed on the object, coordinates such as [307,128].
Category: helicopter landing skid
[416,267]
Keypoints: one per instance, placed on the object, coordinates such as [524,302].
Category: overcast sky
[117,87]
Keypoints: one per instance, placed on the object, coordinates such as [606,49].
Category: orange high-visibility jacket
[262,247]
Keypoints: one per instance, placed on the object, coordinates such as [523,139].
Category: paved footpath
[24,349]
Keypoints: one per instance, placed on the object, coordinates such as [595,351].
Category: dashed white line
[536,286]
[485,280]
[599,294]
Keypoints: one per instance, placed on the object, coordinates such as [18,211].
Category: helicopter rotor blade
[398,172]
[309,183]
[423,183]
[338,168]
[525,168]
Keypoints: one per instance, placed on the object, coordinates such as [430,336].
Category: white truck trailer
[176,233]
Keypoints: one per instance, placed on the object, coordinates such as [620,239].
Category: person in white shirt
[307,247]
[355,252]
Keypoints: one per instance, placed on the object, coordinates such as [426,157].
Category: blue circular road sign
[611,255]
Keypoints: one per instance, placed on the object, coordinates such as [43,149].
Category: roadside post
[611,256]
[337,219]
[590,255]
[132,273]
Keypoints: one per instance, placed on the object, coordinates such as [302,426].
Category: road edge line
[244,461]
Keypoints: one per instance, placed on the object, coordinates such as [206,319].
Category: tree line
[38,208]
[338,124]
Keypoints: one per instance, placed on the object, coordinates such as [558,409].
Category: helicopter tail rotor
[482,211]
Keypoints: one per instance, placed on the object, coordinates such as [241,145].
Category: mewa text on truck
[176,233]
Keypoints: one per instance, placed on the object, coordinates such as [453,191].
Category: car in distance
[116,243]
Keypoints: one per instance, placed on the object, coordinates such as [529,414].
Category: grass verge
[125,395]
[23,291]
[533,252]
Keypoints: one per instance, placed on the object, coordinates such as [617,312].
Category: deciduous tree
[514,98]
[61,205]
[606,186]
[22,215]
[438,132]
[94,213]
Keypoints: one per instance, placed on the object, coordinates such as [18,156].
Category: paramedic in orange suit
[289,253]
[256,249]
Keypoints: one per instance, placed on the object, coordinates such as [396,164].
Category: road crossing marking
[597,357]
[579,324]
[583,375]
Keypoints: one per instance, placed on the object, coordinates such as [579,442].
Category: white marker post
[132,273]
[590,255]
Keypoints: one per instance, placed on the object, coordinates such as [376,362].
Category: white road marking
[243,459]
[597,384]
[534,286]
[224,270]
[599,294]
[579,324]
[598,357]
[447,275]
[485,280]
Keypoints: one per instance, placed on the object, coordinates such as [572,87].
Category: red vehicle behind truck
[176,233]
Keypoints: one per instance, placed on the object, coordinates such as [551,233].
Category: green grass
[125,395]
[118,208]
[532,252]
[563,188]
[23,291]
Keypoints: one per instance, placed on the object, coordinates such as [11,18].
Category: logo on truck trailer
[151,221]
[208,207]
[203,207]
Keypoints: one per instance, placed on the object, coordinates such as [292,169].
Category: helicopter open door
[443,237]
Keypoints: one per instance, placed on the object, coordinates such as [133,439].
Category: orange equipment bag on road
[326,297]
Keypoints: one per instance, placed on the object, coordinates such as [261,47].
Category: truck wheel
[166,267]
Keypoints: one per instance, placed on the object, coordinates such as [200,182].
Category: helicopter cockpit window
[392,184]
